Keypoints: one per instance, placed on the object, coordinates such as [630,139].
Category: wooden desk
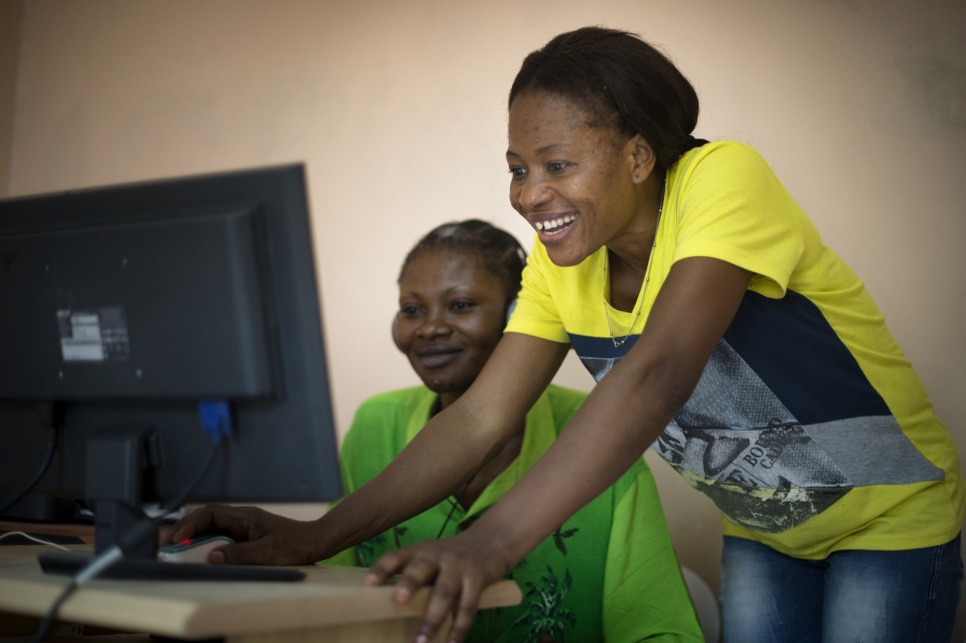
[331,605]
[83,532]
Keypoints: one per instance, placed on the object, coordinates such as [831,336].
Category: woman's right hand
[261,537]
[458,568]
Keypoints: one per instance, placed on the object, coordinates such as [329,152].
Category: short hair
[497,250]
[619,80]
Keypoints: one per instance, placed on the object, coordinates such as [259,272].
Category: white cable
[33,538]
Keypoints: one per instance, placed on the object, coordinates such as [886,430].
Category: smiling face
[451,316]
[579,186]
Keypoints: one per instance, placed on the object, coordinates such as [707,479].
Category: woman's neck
[629,256]
[632,246]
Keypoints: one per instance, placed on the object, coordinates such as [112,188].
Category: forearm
[437,461]
[627,411]
[610,432]
[449,450]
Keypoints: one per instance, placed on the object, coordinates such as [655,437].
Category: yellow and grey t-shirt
[809,428]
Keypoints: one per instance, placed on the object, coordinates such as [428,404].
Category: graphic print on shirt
[775,434]
[771,460]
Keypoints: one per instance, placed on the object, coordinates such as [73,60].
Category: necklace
[647,277]
[456,503]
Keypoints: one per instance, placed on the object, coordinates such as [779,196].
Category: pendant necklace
[647,277]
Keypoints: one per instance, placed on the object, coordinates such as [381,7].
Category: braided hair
[498,251]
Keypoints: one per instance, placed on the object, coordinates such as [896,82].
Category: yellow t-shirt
[809,428]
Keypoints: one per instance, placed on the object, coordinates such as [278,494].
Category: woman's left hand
[459,568]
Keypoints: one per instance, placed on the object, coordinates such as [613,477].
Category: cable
[52,416]
[105,559]
[458,498]
[49,619]
[24,534]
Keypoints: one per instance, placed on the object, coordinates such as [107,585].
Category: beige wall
[11,27]
[398,108]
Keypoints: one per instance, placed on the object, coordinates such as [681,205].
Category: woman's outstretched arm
[622,416]
[443,455]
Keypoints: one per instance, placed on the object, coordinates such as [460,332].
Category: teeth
[547,226]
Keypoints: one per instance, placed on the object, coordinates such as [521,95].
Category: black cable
[105,559]
[52,612]
[458,499]
[53,423]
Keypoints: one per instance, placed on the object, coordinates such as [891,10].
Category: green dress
[609,573]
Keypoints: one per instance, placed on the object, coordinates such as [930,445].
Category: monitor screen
[141,323]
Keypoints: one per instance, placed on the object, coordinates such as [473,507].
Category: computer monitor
[128,312]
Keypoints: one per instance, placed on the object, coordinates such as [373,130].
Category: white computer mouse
[193,550]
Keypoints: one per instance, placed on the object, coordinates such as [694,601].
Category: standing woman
[734,340]
[722,331]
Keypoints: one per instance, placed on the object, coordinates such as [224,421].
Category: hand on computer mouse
[192,550]
[261,537]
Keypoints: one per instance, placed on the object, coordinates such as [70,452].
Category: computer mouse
[192,550]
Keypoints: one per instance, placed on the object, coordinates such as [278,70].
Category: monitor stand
[116,459]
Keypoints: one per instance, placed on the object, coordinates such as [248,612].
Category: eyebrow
[551,147]
[449,291]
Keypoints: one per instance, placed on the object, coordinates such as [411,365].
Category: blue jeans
[857,595]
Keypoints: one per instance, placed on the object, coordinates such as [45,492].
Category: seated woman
[609,573]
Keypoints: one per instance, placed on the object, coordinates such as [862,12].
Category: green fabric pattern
[607,574]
